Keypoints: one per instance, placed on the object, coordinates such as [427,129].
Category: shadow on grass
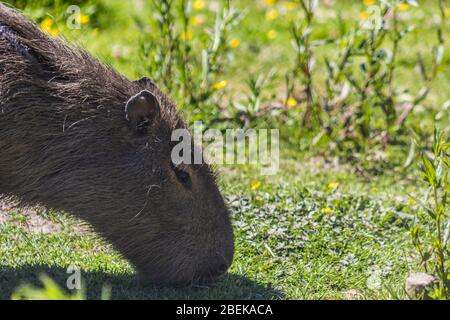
[126,286]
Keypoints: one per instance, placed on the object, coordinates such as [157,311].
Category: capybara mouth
[190,281]
[208,274]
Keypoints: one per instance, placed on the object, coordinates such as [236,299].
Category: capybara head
[76,136]
[172,222]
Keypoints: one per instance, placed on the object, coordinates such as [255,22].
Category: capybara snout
[76,136]
[189,266]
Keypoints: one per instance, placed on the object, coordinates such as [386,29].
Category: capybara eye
[181,175]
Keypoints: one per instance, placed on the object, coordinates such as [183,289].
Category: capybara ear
[142,110]
[145,81]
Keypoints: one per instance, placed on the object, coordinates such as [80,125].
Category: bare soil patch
[26,217]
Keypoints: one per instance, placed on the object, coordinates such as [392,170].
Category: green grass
[296,238]
[287,245]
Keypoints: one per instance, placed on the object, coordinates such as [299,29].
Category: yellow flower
[54,32]
[446,12]
[220,85]
[269,2]
[272,34]
[327,210]
[198,20]
[255,184]
[272,14]
[363,15]
[333,185]
[234,43]
[290,5]
[291,102]
[199,5]
[411,201]
[369,2]
[84,19]
[403,6]
[47,26]
[186,35]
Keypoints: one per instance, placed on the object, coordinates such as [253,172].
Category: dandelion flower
[84,19]
[186,35]
[234,43]
[199,5]
[220,85]
[363,15]
[272,34]
[272,14]
[369,2]
[290,5]
[333,185]
[53,32]
[47,26]
[327,210]
[269,2]
[255,184]
[403,6]
[291,102]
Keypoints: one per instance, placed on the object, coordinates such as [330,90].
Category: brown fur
[65,143]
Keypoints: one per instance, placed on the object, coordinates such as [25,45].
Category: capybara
[77,137]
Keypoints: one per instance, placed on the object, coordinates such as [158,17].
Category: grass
[318,230]
[296,238]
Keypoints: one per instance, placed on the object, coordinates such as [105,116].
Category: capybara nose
[217,270]
[214,270]
[222,268]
